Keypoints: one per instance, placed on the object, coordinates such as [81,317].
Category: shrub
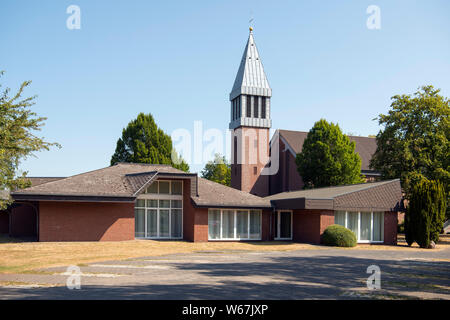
[425,214]
[336,235]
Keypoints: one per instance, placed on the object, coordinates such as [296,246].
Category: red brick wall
[390,227]
[308,225]
[266,225]
[4,221]
[201,225]
[243,176]
[85,221]
[23,221]
[287,177]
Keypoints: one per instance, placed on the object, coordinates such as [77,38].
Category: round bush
[339,236]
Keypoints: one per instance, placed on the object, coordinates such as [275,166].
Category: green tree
[425,214]
[143,142]
[17,138]
[218,170]
[328,157]
[414,144]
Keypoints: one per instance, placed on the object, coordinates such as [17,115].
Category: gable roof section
[115,183]
[364,146]
[381,196]
[216,195]
[125,181]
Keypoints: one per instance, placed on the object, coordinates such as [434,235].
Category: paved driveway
[322,273]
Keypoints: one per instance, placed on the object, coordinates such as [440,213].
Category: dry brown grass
[18,257]
[26,256]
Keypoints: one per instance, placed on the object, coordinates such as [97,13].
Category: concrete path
[326,273]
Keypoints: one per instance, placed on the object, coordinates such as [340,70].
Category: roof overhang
[71,198]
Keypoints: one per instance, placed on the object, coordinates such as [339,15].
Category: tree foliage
[143,142]
[414,144]
[17,139]
[328,157]
[425,214]
[218,170]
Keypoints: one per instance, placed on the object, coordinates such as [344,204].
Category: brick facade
[23,220]
[85,221]
[309,225]
[248,163]
[390,227]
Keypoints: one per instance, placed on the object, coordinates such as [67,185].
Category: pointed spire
[251,78]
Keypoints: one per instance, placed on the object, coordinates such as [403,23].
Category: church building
[266,200]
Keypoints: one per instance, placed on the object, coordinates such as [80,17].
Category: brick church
[266,202]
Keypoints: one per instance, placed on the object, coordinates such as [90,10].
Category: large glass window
[234,224]
[159,211]
[367,226]
[214,224]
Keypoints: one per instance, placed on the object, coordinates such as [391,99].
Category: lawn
[17,256]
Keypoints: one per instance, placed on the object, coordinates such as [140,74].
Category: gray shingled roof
[383,195]
[111,181]
[364,146]
[35,181]
[125,180]
[213,194]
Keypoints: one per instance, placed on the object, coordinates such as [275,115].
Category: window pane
[285,224]
[152,203]
[378,222]
[139,223]
[255,106]
[242,224]
[175,222]
[176,187]
[263,107]
[255,224]
[164,187]
[365,225]
[352,222]
[228,224]
[339,218]
[164,203]
[153,188]
[176,204]
[140,203]
[249,106]
[164,223]
[152,226]
[214,224]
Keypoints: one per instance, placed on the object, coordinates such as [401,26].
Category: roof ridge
[308,132]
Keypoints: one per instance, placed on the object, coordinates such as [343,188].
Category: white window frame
[158,196]
[358,236]
[277,237]
[235,238]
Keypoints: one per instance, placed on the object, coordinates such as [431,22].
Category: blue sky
[178,59]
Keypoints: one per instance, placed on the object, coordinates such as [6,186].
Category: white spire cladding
[250,96]
[251,78]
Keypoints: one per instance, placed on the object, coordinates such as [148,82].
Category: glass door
[284,225]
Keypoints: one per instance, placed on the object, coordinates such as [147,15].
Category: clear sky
[178,60]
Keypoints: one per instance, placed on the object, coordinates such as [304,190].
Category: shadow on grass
[5,238]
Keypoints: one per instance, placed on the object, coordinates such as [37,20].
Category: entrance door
[284,225]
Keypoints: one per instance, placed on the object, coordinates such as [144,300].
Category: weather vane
[250,22]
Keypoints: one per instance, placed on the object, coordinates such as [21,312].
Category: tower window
[255,106]
[239,106]
[255,170]
[249,106]
[263,108]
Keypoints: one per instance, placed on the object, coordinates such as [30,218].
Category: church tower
[250,123]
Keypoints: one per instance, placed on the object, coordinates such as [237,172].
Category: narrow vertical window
[239,106]
[255,106]
[263,107]
[249,106]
